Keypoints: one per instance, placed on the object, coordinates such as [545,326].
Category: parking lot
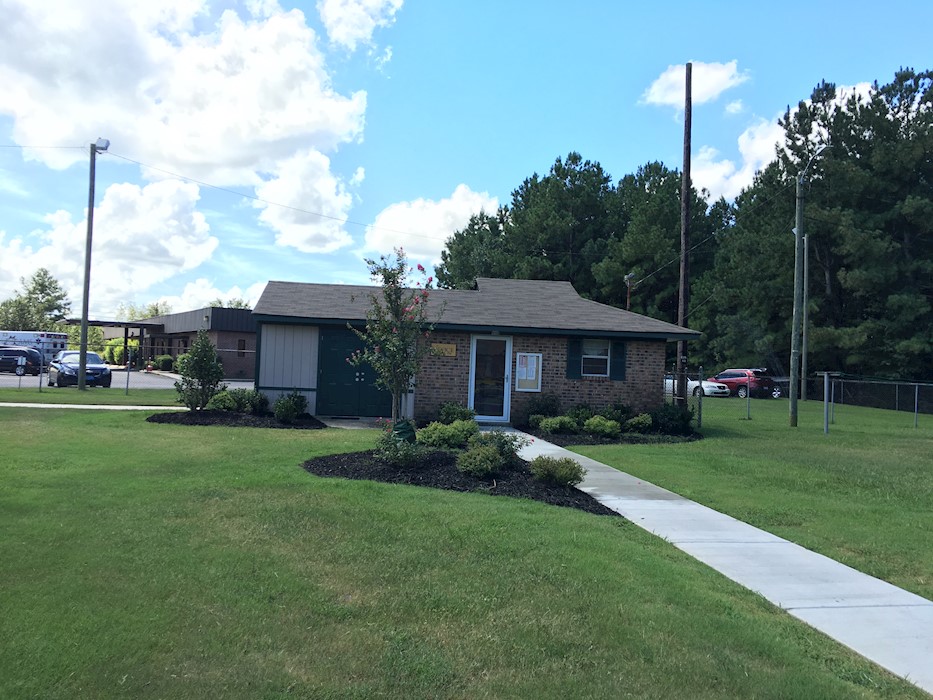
[137,380]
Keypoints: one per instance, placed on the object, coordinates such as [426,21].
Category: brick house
[232,331]
[495,348]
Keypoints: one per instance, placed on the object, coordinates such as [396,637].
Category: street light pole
[99,147]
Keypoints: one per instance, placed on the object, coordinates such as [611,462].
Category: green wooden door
[342,389]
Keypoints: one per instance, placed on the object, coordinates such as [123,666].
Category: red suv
[743,381]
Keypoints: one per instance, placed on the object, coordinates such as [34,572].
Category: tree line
[868,216]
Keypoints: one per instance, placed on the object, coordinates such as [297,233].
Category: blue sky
[349,127]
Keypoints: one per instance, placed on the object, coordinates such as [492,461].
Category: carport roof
[531,306]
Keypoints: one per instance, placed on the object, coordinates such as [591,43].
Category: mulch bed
[231,419]
[438,469]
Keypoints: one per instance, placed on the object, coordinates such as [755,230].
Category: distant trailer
[44,341]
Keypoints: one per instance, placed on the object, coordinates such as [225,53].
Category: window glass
[595,358]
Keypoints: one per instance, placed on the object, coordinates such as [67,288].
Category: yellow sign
[444,349]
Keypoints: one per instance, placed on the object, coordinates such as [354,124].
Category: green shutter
[574,359]
[617,360]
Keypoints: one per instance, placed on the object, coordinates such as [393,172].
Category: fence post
[700,402]
[826,403]
[916,403]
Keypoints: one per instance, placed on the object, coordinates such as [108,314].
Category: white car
[696,387]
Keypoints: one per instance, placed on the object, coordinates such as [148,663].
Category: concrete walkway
[881,622]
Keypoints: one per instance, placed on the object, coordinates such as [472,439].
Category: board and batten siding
[288,358]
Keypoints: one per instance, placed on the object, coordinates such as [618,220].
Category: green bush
[617,411]
[562,471]
[580,413]
[534,421]
[289,406]
[543,405]
[452,411]
[201,373]
[506,444]
[221,401]
[249,401]
[481,461]
[558,425]
[603,427]
[398,453]
[671,419]
[453,436]
[165,363]
[639,424]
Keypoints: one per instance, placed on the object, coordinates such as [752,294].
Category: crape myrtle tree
[397,325]
[201,373]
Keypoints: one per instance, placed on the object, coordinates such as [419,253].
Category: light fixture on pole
[99,146]
[799,284]
[628,292]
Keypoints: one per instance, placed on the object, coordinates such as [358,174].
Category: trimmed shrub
[398,453]
[603,427]
[164,363]
[453,411]
[221,401]
[544,405]
[558,424]
[506,444]
[249,401]
[671,419]
[453,436]
[562,471]
[639,424]
[618,412]
[481,461]
[289,406]
[580,413]
[534,421]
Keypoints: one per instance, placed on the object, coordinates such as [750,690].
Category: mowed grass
[144,560]
[114,396]
[862,494]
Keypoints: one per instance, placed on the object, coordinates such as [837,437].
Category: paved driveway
[138,380]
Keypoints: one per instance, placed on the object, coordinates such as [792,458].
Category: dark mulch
[567,439]
[232,419]
[438,470]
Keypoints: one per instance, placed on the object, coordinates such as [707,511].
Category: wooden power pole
[685,193]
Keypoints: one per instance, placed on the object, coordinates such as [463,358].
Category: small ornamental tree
[201,373]
[397,326]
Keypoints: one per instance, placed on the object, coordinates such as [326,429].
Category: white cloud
[316,204]
[735,107]
[201,292]
[708,81]
[142,236]
[722,177]
[352,22]
[422,226]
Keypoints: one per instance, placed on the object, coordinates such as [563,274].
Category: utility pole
[684,298]
[806,318]
[800,282]
[798,294]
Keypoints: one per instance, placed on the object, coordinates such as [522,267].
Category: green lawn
[863,494]
[114,396]
[144,560]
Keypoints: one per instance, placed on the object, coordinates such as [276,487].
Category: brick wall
[445,379]
[227,344]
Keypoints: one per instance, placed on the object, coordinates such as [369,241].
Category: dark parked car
[10,360]
[63,369]
[743,381]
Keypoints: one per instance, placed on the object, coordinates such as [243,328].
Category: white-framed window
[528,371]
[595,357]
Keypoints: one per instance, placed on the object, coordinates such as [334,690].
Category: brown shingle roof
[534,306]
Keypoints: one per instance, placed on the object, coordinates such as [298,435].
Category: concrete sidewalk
[888,625]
